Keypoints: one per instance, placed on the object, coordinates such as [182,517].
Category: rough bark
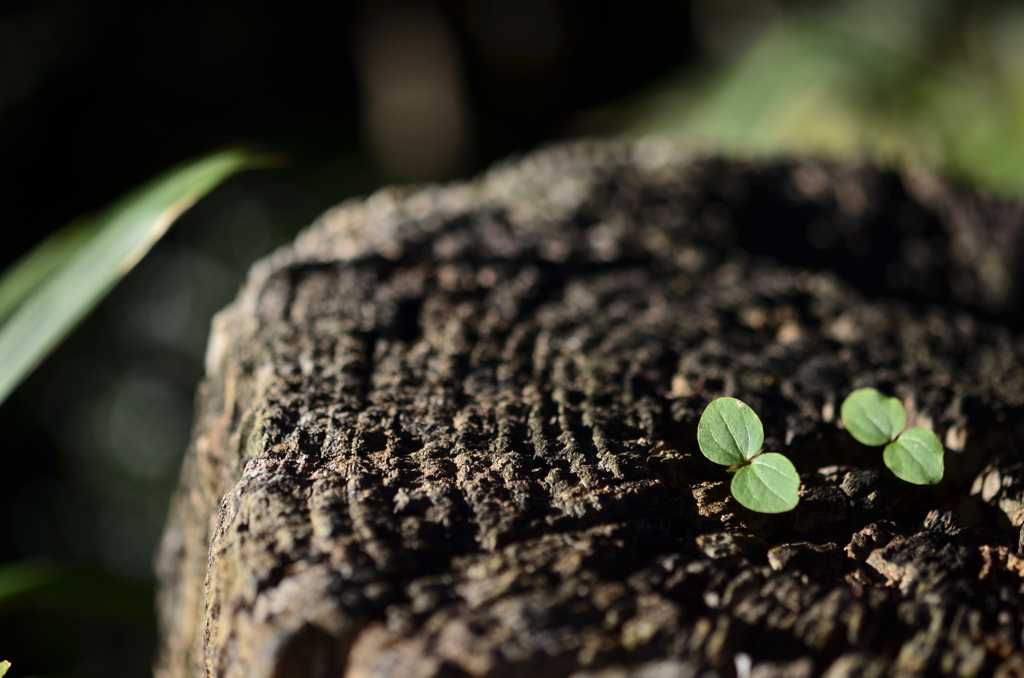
[450,431]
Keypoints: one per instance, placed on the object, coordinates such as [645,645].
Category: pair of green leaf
[46,293]
[729,433]
[915,455]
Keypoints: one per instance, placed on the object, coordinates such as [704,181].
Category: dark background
[97,97]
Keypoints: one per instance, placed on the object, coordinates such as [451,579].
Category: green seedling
[730,434]
[914,455]
[3,668]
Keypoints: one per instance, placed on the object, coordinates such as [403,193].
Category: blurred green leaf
[18,579]
[913,82]
[48,292]
[37,584]
[3,668]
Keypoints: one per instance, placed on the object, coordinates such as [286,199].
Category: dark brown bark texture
[451,431]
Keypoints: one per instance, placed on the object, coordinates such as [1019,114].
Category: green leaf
[872,418]
[56,286]
[729,432]
[3,668]
[769,484]
[915,457]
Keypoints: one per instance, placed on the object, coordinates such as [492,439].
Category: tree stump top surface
[451,431]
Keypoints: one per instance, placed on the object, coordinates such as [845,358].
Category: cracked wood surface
[451,431]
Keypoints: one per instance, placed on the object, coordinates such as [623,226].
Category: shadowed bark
[451,431]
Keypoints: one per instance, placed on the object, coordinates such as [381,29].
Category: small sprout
[3,668]
[730,434]
[872,418]
[769,484]
[915,455]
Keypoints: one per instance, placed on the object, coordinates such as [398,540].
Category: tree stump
[451,431]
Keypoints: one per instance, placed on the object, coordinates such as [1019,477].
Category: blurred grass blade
[52,289]
[25,275]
